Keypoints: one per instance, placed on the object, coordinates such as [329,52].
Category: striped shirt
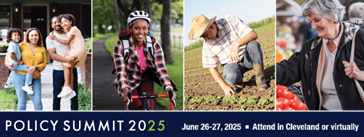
[231,29]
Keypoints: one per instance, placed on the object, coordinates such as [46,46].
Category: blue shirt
[14,47]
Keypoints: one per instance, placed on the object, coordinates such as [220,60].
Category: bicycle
[147,97]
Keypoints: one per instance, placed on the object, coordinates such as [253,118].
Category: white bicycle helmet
[138,15]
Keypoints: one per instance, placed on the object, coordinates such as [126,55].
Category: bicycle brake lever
[170,93]
[127,104]
[174,103]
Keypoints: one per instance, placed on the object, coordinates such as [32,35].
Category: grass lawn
[110,44]
[175,72]
[8,99]
[99,36]
[84,97]
[176,75]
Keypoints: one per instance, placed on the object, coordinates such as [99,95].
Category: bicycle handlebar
[170,92]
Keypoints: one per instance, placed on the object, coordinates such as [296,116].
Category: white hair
[330,9]
[356,10]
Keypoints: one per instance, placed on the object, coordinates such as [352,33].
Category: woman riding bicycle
[141,65]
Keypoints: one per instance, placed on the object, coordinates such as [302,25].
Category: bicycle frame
[148,97]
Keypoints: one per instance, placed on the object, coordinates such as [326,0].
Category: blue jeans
[233,72]
[58,83]
[18,82]
[28,78]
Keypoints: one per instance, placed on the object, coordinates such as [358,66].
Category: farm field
[203,93]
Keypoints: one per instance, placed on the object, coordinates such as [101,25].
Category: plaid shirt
[231,29]
[129,75]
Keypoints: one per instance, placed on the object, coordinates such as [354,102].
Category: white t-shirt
[61,49]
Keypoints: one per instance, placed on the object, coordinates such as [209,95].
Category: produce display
[285,43]
[287,101]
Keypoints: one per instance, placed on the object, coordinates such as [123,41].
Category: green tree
[176,12]
[103,15]
[125,7]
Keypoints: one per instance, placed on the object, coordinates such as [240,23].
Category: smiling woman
[139,60]
[34,55]
[328,80]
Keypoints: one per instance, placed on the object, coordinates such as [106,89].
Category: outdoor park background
[202,92]
[109,18]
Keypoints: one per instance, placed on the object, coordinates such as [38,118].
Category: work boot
[259,77]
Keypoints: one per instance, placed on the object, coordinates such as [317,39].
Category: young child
[77,51]
[15,59]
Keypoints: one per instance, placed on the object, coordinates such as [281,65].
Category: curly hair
[40,40]
[11,31]
[70,17]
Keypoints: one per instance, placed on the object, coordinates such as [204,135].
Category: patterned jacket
[128,74]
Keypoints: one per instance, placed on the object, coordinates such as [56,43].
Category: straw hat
[199,25]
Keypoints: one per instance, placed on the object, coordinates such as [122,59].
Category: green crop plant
[215,100]
[242,100]
[190,107]
[266,51]
[193,66]
[198,84]
[269,64]
[242,108]
[270,56]
[207,73]
[232,99]
[195,70]
[262,102]
[186,98]
[251,100]
[206,100]
[211,97]
[271,99]
[225,99]
[245,78]
[195,100]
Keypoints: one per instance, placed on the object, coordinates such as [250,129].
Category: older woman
[137,69]
[322,65]
[34,55]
